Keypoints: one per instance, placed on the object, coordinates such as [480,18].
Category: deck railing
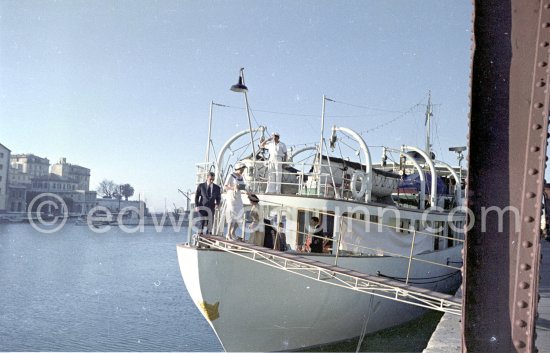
[343,240]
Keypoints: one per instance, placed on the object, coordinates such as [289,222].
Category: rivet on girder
[530,195]
[519,344]
[538,105]
[534,149]
[521,323]
[536,126]
[528,219]
[540,84]
[525,267]
[532,171]
[526,244]
[523,285]
[522,304]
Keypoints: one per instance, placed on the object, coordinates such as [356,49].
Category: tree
[107,188]
[126,190]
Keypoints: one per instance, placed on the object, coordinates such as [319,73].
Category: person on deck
[207,199]
[257,225]
[234,203]
[280,238]
[316,235]
[277,155]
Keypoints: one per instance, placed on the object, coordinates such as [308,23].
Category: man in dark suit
[207,199]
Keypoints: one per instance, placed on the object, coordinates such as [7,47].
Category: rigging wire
[398,117]
[364,328]
[365,107]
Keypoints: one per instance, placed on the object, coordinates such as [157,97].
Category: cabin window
[373,219]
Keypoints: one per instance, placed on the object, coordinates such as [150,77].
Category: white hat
[239,165]
[275,134]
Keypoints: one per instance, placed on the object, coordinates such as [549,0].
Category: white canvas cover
[373,238]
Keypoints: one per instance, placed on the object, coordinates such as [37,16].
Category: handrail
[219,223]
[370,284]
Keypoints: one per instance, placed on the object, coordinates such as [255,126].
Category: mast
[429,114]
[207,154]
[322,132]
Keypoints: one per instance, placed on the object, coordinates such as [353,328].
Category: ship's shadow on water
[409,337]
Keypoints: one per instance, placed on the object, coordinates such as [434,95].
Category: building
[76,200]
[75,172]
[4,167]
[23,168]
[30,164]
[29,178]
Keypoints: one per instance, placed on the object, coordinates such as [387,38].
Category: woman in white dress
[234,203]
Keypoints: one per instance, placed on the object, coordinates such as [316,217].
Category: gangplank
[337,276]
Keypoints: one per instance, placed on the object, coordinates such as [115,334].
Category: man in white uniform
[277,155]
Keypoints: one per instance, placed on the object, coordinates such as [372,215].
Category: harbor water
[79,290]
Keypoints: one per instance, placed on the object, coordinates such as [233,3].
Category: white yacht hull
[255,307]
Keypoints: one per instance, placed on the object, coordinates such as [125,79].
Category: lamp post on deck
[241,88]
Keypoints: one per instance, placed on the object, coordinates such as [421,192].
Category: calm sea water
[76,290]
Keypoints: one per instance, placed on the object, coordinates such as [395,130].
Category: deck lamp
[240,87]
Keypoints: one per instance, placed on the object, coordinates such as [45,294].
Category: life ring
[353,185]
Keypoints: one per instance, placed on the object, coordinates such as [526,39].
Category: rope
[420,279]
[364,329]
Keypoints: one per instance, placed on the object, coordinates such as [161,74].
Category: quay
[448,334]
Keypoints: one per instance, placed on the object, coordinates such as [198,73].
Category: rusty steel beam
[507,143]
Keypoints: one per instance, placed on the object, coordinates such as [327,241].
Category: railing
[305,181]
[296,178]
[341,240]
[341,277]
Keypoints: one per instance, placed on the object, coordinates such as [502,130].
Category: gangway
[338,276]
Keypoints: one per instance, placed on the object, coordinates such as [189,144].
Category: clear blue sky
[124,87]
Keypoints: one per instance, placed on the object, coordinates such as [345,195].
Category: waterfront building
[17,198]
[30,164]
[18,185]
[80,174]
[4,166]
[29,176]
[76,200]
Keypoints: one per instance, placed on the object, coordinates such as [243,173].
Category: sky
[124,87]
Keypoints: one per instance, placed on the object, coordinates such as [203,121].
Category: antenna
[429,114]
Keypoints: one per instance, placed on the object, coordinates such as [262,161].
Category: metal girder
[332,275]
[508,134]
